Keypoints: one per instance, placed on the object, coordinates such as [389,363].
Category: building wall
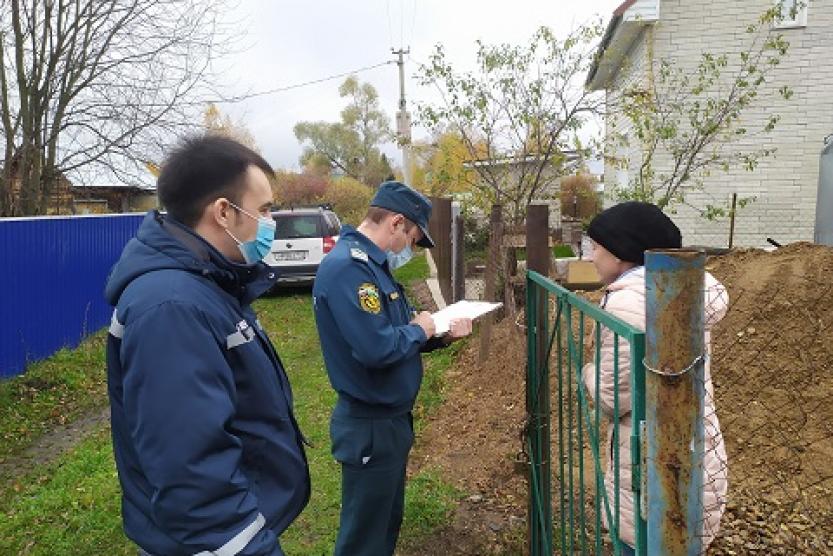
[115,199]
[143,202]
[91,206]
[60,197]
[785,184]
[631,75]
[644,10]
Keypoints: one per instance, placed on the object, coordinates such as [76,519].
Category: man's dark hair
[202,169]
[377,214]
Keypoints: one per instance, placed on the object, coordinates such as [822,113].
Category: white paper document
[461,310]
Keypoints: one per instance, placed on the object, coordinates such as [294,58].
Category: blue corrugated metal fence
[52,275]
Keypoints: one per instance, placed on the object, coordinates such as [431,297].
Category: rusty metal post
[674,398]
[490,279]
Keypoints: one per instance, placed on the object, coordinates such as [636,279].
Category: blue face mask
[255,250]
[396,260]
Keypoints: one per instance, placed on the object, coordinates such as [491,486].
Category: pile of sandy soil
[772,368]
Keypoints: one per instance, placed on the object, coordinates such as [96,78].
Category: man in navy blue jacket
[372,339]
[209,454]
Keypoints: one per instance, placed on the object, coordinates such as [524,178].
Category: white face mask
[400,259]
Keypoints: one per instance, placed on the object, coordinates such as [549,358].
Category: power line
[390,29]
[304,84]
[413,19]
[401,23]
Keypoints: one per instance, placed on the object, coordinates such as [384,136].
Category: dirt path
[52,444]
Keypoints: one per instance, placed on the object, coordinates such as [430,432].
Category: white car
[302,237]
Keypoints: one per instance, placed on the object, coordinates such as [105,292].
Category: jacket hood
[162,243]
[716,301]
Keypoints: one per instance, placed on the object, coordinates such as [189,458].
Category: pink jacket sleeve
[630,307]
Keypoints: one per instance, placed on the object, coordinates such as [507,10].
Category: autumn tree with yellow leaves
[441,167]
[218,123]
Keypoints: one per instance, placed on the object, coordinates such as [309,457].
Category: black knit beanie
[629,229]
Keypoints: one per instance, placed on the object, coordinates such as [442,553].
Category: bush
[349,199]
[475,230]
[578,197]
[292,190]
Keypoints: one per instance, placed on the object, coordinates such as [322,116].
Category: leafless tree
[94,88]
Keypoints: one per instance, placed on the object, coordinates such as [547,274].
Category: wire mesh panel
[771,363]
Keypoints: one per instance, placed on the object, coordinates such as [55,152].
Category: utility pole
[403,118]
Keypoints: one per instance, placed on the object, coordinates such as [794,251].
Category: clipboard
[462,309]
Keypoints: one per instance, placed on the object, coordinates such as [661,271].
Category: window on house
[793,13]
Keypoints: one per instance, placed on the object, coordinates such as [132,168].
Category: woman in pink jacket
[621,235]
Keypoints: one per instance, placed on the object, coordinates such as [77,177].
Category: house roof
[623,7]
[113,187]
[570,155]
[143,181]
[621,32]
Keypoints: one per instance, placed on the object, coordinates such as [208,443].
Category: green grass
[558,250]
[72,505]
[52,392]
[431,394]
[562,250]
[428,503]
[416,269]
[480,254]
[314,531]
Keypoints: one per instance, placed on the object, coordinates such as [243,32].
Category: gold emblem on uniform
[369,298]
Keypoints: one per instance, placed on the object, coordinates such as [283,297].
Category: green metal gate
[570,512]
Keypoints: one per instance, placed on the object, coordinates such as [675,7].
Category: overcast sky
[286,42]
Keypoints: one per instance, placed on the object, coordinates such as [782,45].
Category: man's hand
[426,322]
[459,328]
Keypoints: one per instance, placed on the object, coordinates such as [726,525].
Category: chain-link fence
[772,365]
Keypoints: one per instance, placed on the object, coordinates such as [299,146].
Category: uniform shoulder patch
[358,254]
[369,298]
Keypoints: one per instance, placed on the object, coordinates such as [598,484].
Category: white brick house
[643,32]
